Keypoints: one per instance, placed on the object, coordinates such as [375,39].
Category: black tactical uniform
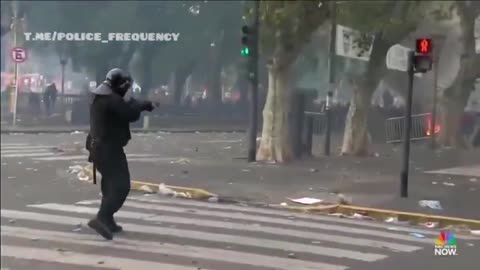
[110,117]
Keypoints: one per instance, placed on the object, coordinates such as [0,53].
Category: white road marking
[27,155]
[251,227]
[280,221]
[12,144]
[204,236]
[464,170]
[223,141]
[79,157]
[24,151]
[170,249]
[29,147]
[278,213]
[85,259]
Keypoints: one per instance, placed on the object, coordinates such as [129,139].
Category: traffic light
[247,40]
[423,59]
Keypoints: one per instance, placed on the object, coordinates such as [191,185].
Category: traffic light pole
[433,122]
[407,128]
[253,77]
[331,70]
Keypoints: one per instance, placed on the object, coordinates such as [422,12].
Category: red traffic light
[424,45]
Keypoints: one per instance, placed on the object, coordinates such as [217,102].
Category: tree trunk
[180,76]
[177,89]
[275,144]
[355,138]
[454,99]
[214,95]
[451,116]
[146,75]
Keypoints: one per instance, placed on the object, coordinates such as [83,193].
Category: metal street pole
[63,62]
[253,76]
[331,70]
[433,123]
[407,128]
[15,41]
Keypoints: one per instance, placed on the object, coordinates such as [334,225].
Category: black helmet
[119,80]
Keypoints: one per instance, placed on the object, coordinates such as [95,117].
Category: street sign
[397,58]
[345,44]
[19,55]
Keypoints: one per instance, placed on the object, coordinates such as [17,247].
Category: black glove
[146,106]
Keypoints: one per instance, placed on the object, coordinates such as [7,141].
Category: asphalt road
[44,210]
[213,161]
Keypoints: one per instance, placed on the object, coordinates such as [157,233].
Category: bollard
[308,142]
[146,122]
[299,115]
[68,116]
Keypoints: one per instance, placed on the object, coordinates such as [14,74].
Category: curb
[416,218]
[132,130]
[375,213]
[383,214]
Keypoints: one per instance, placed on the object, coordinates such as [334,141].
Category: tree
[454,99]
[70,16]
[388,22]
[285,28]
[200,27]
[6,18]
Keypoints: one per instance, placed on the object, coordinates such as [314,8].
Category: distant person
[387,100]
[50,98]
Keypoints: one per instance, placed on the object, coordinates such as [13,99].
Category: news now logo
[445,244]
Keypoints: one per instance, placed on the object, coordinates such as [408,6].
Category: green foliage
[199,23]
[286,26]
[392,19]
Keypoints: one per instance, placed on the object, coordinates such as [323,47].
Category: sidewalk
[69,129]
[370,182]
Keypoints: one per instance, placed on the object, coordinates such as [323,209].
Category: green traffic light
[245,51]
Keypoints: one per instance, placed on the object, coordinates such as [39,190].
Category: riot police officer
[110,118]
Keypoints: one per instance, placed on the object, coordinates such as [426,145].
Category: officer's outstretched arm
[123,109]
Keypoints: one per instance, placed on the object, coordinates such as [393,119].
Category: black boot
[113,226]
[101,228]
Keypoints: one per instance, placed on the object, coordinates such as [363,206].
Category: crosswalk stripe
[171,249]
[23,151]
[28,147]
[257,218]
[152,159]
[28,155]
[260,211]
[12,144]
[83,259]
[77,157]
[206,236]
[242,227]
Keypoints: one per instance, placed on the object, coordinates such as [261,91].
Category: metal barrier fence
[394,128]
[30,105]
[319,121]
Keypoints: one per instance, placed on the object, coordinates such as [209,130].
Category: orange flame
[429,126]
